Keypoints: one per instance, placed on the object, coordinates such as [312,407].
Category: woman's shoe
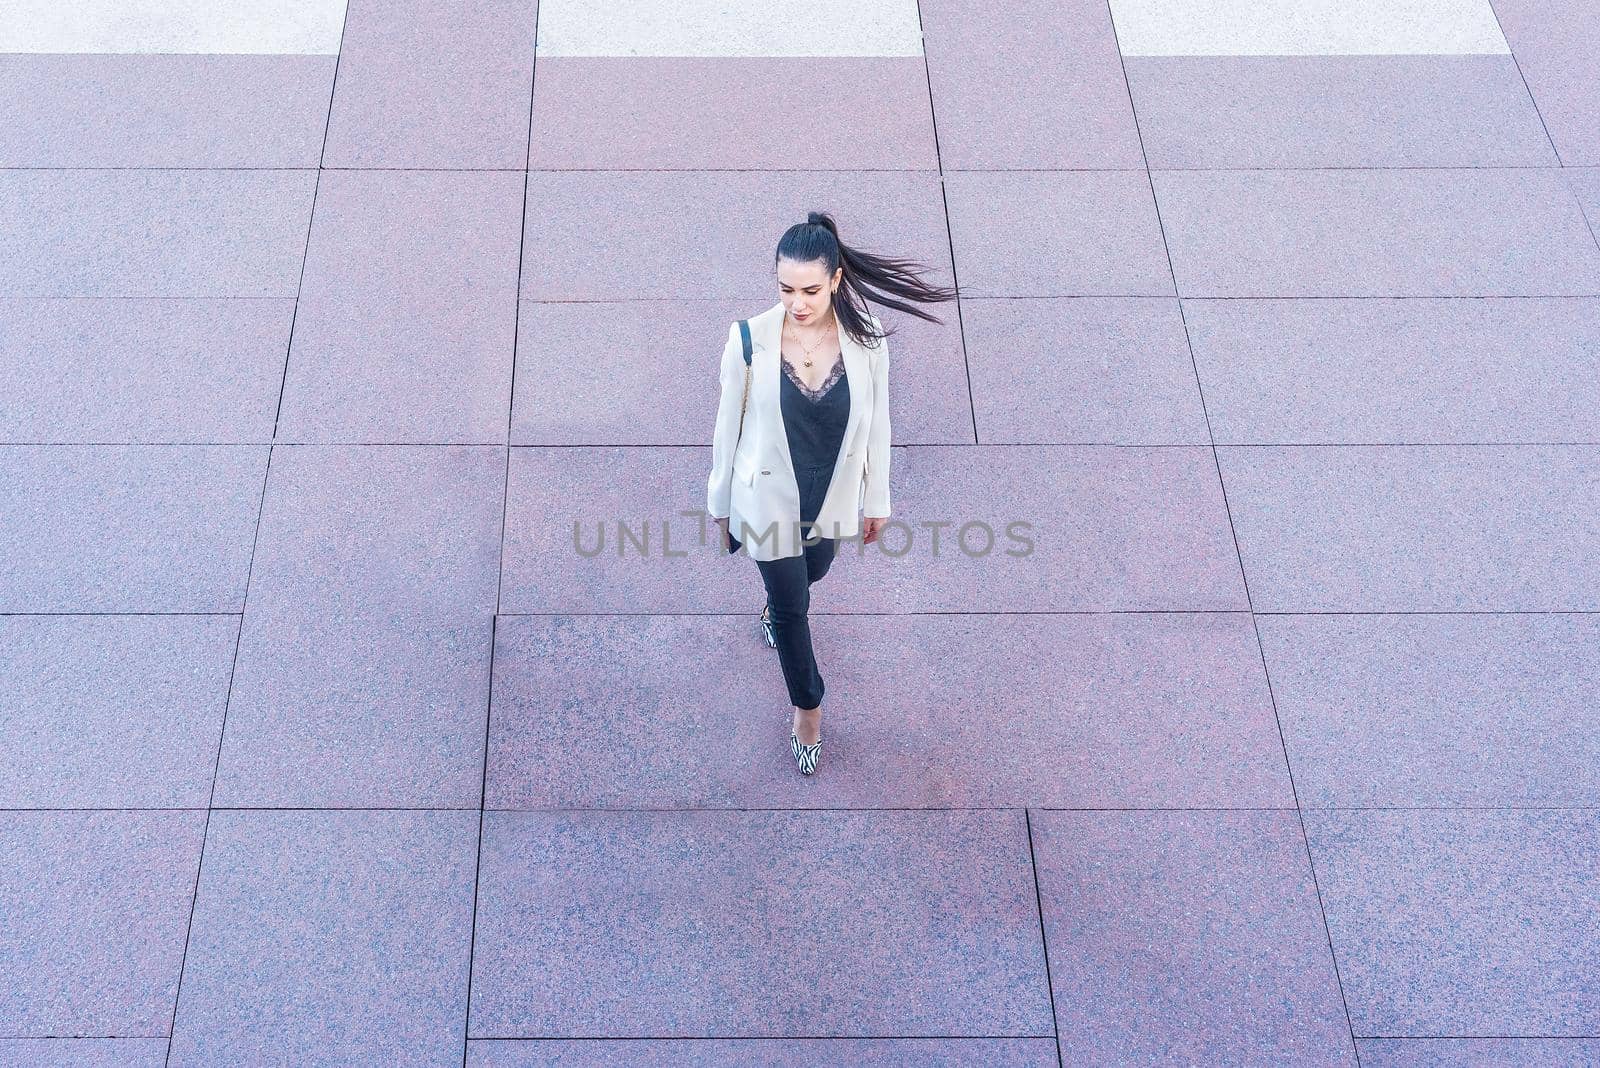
[805,756]
[767,631]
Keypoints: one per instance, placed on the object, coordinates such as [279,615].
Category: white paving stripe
[1307,27]
[239,27]
[729,28]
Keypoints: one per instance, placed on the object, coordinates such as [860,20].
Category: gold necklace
[805,352]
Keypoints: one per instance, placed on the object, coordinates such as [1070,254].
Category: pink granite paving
[323,742]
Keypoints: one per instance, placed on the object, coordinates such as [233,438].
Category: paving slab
[1425,528]
[762,1052]
[692,113]
[112,711]
[97,904]
[407,314]
[1438,710]
[584,241]
[1114,371]
[714,28]
[127,528]
[141,370]
[265,27]
[83,1052]
[886,924]
[646,373]
[1478,1052]
[1309,27]
[356,711]
[1336,111]
[405,530]
[163,110]
[1122,710]
[330,936]
[1446,370]
[1376,233]
[1555,45]
[153,233]
[431,85]
[1025,86]
[1056,234]
[1462,924]
[1186,938]
[1024,528]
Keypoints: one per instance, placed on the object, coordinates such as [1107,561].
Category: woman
[792,466]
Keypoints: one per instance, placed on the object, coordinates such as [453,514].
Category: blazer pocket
[745,472]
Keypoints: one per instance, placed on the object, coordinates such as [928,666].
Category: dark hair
[889,282]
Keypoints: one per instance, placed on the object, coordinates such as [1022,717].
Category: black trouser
[788,581]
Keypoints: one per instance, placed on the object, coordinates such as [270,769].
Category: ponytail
[893,283]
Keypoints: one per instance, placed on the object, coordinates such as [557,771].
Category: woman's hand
[870,527]
[722,525]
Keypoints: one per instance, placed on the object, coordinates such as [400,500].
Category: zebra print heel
[805,756]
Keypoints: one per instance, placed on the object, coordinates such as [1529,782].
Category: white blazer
[752,478]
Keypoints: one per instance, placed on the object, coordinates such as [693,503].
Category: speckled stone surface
[1429,710]
[141,370]
[83,1052]
[1027,85]
[921,711]
[764,923]
[583,240]
[112,711]
[1336,111]
[761,1052]
[1479,1052]
[634,373]
[163,110]
[407,314]
[411,531]
[360,710]
[1306,28]
[153,233]
[1440,528]
[1465,922]
[1186,938]
[1376,233]
[92,935]
[1106,371]
[696,113]
[1105,529]
[716,28]
[1375,371]
[322,741]
[1056,234]
[329,937]
[433,85]
[127,528]
[1555,45]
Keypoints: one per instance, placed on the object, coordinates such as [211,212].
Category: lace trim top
[826,384]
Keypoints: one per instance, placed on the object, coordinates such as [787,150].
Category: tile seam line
[949,233]
[668,810]
[261,505]
[937,169]
[505,512]
[1526,88]
[1294,792]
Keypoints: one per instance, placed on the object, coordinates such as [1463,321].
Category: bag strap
[744,335]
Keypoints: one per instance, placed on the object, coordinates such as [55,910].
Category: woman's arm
[875,500]
[725,436]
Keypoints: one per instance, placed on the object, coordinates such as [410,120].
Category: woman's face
[806,289]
